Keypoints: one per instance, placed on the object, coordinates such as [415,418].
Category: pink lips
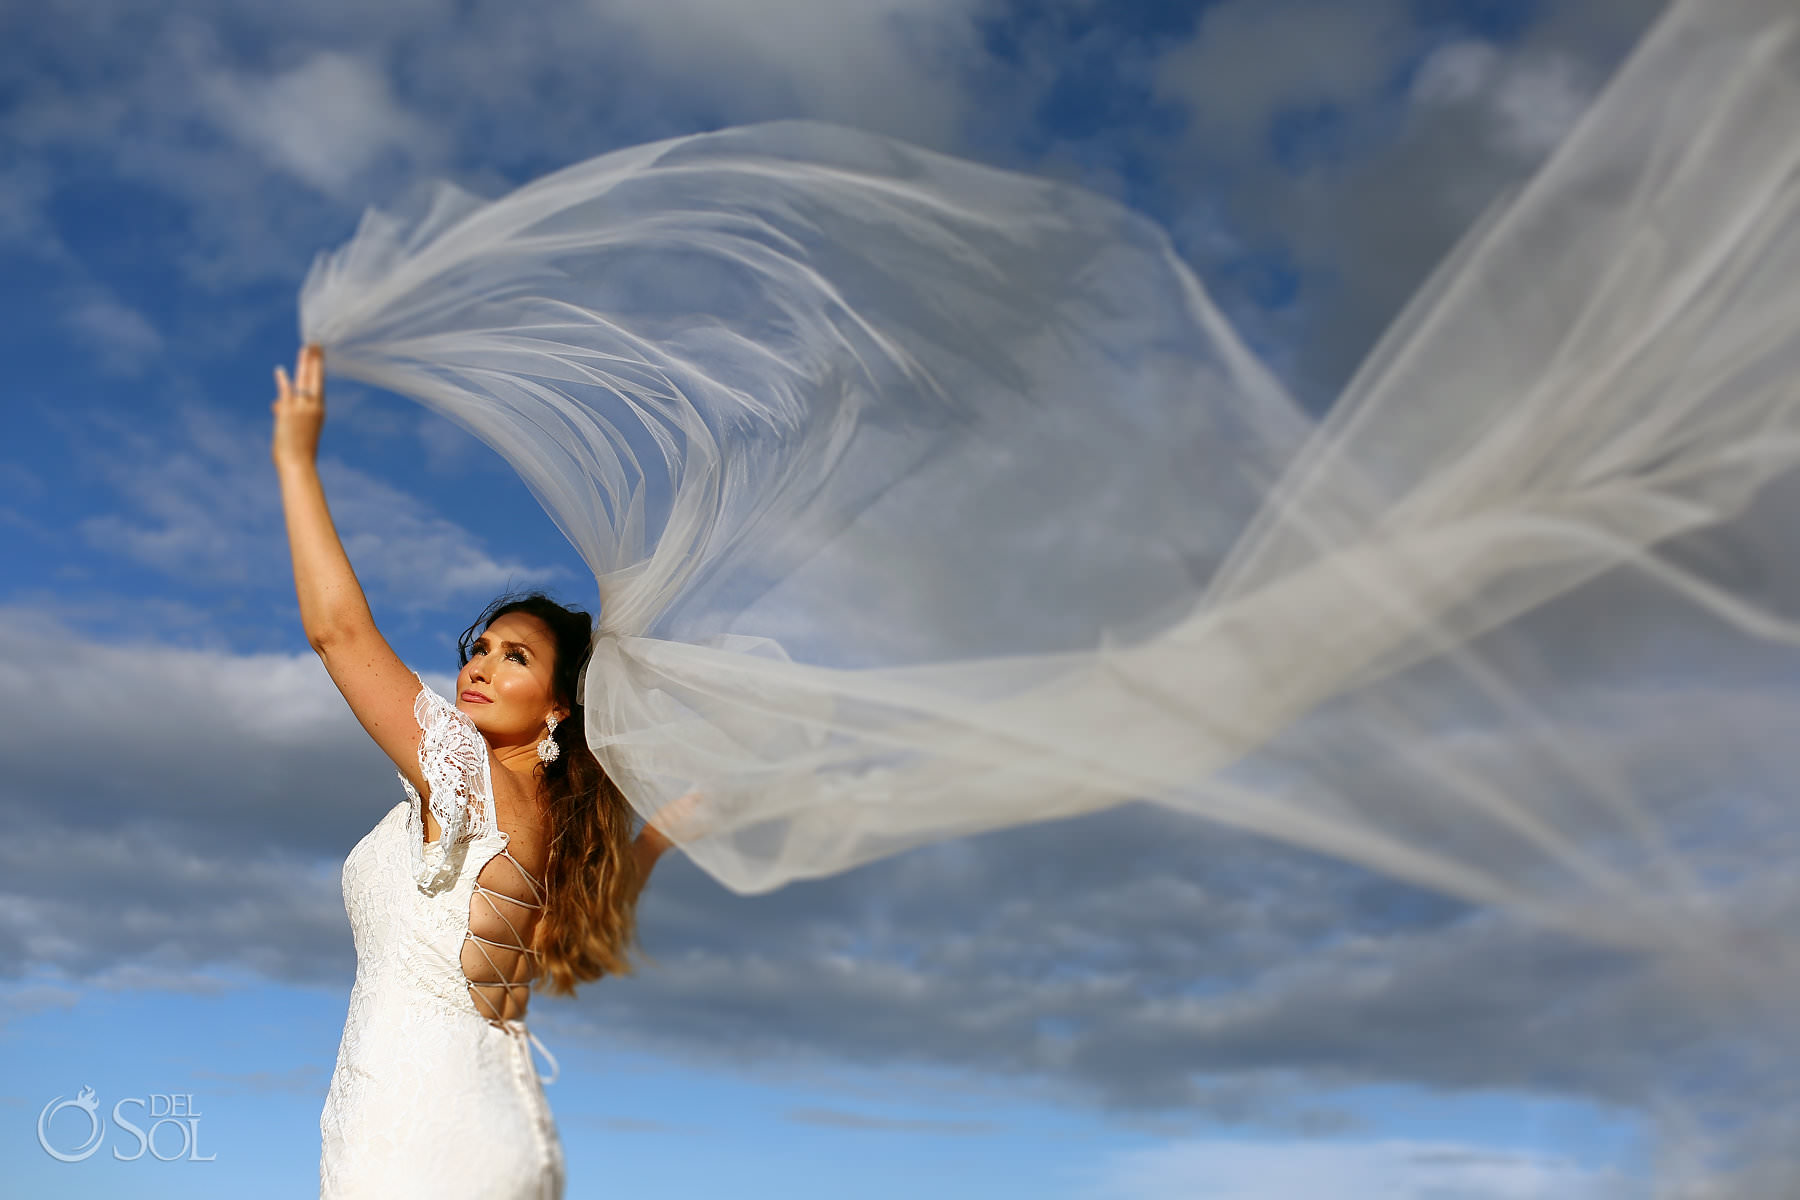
[476,698]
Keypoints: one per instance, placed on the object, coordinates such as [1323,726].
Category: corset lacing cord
[542,1049]
[514,1027]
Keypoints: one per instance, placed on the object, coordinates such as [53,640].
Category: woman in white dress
[512,860]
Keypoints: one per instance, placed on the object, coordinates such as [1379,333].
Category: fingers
[309,376]
[299,409]
[677,821]
[311,370]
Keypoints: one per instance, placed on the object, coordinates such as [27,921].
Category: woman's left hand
[299,409]
[679,821]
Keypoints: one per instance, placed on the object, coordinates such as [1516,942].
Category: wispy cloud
[200,502]
[1528,104]
[1251,62]
[122,340]
[272,131]
[305,1080]
[25,190]
[610,1124]
[838,1118]
[1387,1170]
[1346,146]
[325,122]
[895,66]
[28,999]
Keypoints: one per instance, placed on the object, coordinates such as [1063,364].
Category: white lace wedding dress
[434,1093]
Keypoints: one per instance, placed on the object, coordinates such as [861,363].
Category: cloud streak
[202,504]
[1389,1170]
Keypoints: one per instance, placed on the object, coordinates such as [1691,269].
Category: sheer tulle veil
[924,498]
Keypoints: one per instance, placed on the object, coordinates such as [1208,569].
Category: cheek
[518,687]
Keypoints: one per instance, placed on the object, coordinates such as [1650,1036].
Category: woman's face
[505,687]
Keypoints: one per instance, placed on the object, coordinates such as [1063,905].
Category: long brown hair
[589,923]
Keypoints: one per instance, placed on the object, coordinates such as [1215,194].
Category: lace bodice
[434,1092]
[497,958]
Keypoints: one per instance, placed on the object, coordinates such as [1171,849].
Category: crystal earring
[548,749]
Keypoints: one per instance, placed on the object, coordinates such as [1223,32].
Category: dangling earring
[548,749]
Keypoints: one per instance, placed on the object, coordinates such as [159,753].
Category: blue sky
[182,781]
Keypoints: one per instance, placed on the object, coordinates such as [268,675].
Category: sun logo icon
[86,1101]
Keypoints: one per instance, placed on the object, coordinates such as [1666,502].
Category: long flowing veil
[925,498]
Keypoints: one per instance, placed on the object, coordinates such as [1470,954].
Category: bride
[511,861]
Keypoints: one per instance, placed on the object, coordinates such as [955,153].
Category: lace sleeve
[453,758]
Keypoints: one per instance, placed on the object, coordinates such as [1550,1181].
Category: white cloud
[889,65]
[1383,1170]
[29,999]
[1420,127]
[181,101]
[1251,59]
[273,130]
[1529,102]
[186,841]
[202,504]
[325,121]
[421,558]
[25,191]
[449,448]
[122,339]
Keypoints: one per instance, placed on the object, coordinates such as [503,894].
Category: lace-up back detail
[498,961]
[506,900]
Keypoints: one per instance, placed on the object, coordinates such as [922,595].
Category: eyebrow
[484,638]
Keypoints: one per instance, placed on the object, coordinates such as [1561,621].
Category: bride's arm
[679,816]
[648,847]
[379,688]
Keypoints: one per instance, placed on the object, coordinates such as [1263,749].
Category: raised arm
[649,847]
[379,688]
[682,819]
